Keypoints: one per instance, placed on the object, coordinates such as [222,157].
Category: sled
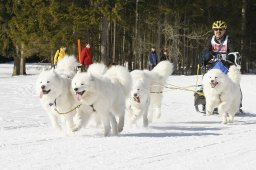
[199,99]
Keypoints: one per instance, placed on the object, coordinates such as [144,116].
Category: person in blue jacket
[153,58]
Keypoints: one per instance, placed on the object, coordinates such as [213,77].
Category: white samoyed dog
[147,92]
[223,92]
[106,94]
[159,75]
[138,103]
[81,118]
[54,89]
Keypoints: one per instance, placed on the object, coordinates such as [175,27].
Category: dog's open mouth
[214,83]
[43,92]
[79,95]
[136,99]
[46,91]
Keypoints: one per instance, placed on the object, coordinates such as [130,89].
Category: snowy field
[182,139]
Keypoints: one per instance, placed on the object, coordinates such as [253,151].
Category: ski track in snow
[181,139]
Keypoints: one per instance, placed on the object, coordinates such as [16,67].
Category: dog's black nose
[75,89]
[135,94]
[43,87]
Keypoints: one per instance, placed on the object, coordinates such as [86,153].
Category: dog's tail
[164,69]
[234,74]
[97,69]
[68,63]
[122,75]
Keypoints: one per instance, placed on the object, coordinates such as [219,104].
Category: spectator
[86,57]
[164,55]
[153,58]
[59,55]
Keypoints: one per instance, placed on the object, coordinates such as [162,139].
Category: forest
[123,31]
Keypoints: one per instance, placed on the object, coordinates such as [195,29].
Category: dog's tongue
[78,97]
[137,99]
[213,84]
[41,94]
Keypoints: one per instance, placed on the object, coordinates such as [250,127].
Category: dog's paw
[57,127]
[231,119]
[208,113]
[75,129]
[224,120]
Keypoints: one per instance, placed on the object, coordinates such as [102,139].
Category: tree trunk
[22,66]
[123,47]
[130,55]
[135,39]
[105,58]
[16,66]
[22,61]
[114,43]
[243,28]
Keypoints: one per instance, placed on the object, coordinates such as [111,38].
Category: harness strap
[156,92]
[62,113]
[92,108]
[54,103]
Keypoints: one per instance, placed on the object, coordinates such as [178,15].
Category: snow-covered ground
[181,139]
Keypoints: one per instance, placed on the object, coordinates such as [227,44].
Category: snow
[181,139]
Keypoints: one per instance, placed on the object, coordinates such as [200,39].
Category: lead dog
[106,94]
[54,89]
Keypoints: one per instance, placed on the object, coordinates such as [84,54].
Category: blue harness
[219,65]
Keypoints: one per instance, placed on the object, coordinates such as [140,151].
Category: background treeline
[123,31]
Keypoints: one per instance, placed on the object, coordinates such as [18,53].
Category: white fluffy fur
[140,97]
[67,66]
[54,89]
[147,92]
[106,94]
[97,69]
[159,75]
[223,92]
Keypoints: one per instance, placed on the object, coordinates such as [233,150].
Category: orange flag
[79,49]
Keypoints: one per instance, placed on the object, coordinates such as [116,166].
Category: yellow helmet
[219,24]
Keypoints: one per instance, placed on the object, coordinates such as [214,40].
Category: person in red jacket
[86,57]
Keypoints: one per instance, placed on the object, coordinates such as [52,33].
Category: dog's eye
[138,89]
[82,84]
[216,77]
[48,81]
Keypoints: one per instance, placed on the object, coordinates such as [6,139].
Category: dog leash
[62,113]
[174,87]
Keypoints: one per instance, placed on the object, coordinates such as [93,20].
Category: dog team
[111,94]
